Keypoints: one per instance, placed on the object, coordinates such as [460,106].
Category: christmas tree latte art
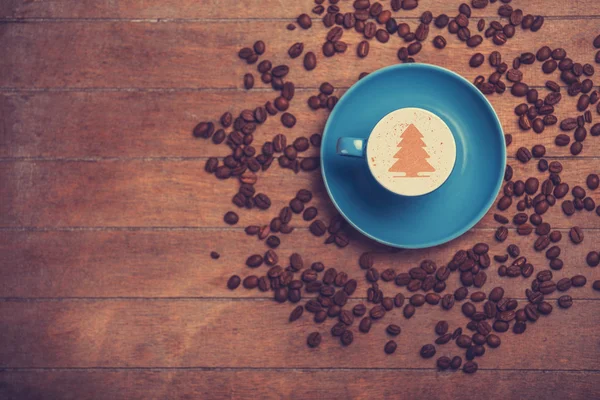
[412,158]
[411,152]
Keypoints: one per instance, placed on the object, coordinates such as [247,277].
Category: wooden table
[108,218]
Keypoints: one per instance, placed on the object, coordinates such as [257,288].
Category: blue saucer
[452,209]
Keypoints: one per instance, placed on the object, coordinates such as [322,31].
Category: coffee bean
[390,347]
[250,282]
[576,235]
[413,48]
[231,218]
[476,60]
[439,42]
[523,154]
[563,284]
[596,285]
[443,363]
[568,124]
[470,367]
[362,50]
[422,32]
[408,311]
[288,120]
[365,325]
[474,41]
[304,21]
[593,258]
[314,339]
[544,308]
[318,228]
[519,89]
[514,75]
[504,203]
[562,140]
[443,339]
[578,281]
[233,282]
[427,351]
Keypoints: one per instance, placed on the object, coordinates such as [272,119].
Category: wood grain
[180,55]
[257,334]
[107,217]
[294,384]
[158,124]
[180,194]
[169,263]
[226,9]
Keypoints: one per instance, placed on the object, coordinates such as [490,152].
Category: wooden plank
[180,194]
[180,55]
[158,124]
[264,9]
[294,384]
[213,333]
[177,263]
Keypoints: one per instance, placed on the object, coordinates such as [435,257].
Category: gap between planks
[181,228]
[235,369]
[6,89]
[204,158]
[196,298]
[237,20]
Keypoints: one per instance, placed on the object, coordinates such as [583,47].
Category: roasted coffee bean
[565,301]
[288,120]
[248,81]
[362,50]
[563,284]
[231,218]
[280,71]
[474,41]
[250,282]
[365,325]
[204,130]
[422,32]
[501,234]
[443,339]
[544,308]
[233,282]
[504,203]
[439,42]
[470,367]
[578,192]
[417,300]
[523,154]
[547,287]
[408,311]
[593,258]
[568,207]
[568,124]
[514,75]
[578,281]
[314,339]
[562,140]
[414,48]
[305,22]
[500,326]
[390,347]
[427,351]
[576,235]
[318,228]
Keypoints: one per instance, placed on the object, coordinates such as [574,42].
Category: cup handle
[351,147]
